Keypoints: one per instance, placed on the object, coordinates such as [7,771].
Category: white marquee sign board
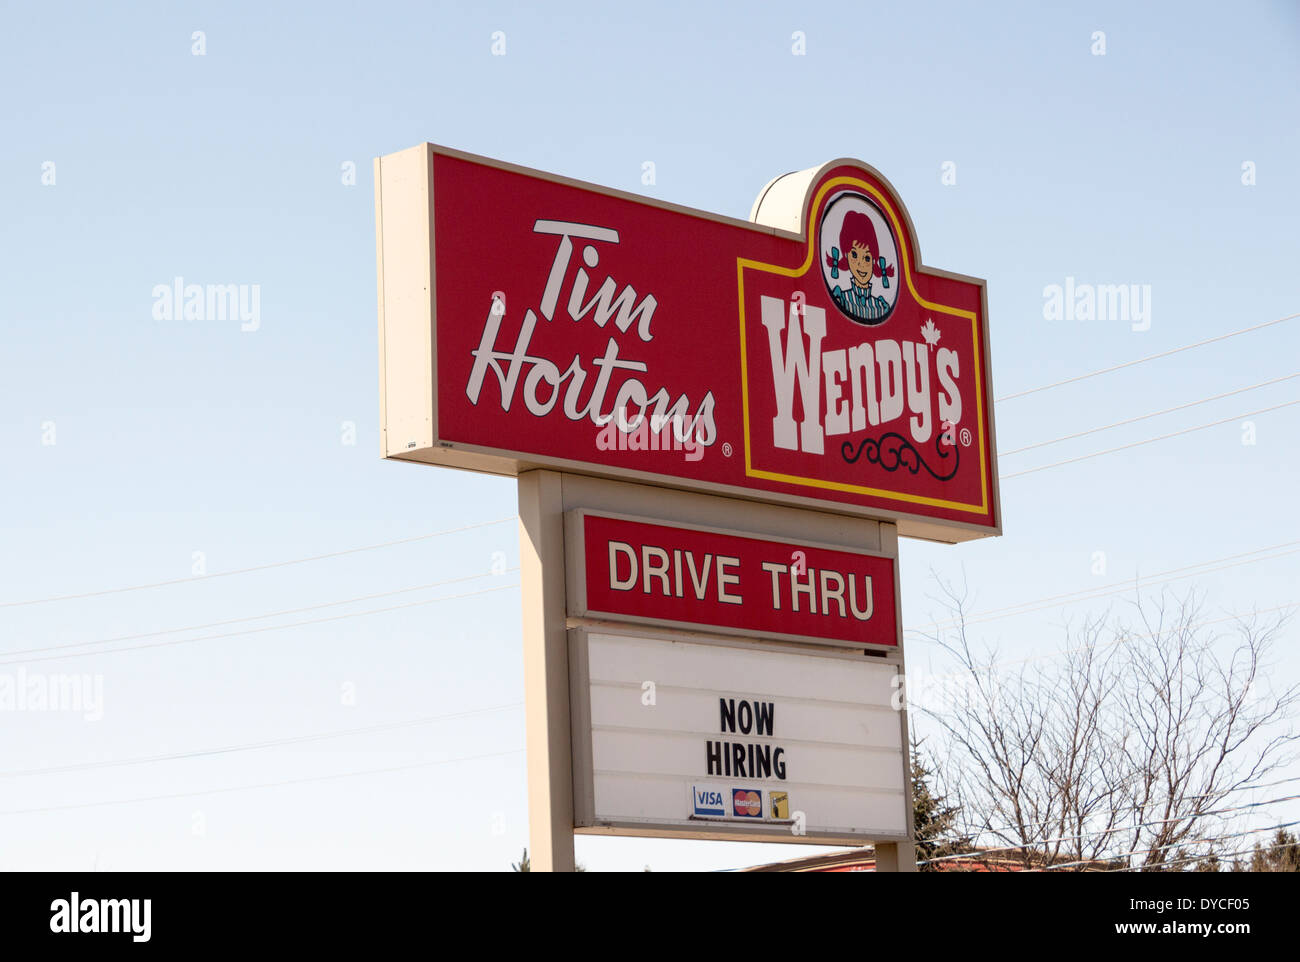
[731,740]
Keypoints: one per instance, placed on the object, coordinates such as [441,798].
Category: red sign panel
[666,574]
[605,333]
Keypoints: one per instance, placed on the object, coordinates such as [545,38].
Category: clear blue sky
[176,437]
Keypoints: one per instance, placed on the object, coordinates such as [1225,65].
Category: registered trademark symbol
[965,437]
[726,449]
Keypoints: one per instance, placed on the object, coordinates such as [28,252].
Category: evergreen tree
[524,865]
[1281,855]
[932,819]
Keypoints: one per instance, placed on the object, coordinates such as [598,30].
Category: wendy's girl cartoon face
[859,253]
[860,262]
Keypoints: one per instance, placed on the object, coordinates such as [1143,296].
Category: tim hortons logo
[632,404]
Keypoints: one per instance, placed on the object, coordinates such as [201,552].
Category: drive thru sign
[720,429]
[706,579]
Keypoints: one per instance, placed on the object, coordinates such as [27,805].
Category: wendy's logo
[858,254]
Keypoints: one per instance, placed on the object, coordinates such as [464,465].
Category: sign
[801,378]
[709,802]
[690,577]
[808,358]
[681,737]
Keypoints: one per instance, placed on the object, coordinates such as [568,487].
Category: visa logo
[709,801]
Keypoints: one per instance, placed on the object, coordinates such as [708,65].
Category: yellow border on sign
[743,263]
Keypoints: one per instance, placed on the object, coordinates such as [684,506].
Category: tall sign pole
[720,428]
[546,673]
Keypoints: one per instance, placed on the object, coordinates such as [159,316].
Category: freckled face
[860,264]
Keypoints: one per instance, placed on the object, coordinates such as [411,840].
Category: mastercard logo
[746,803]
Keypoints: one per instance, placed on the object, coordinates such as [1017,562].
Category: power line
[263,567]
[1149,357]
[1202,858]
[269,614]
[1122,828]
[1249,787]
[254,746]
[245,788]
[1091,594]
[1125,637]
[1105,593]
[1134,444]
[1163,848]
[254,631]
[1138,582]
[1143,417]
